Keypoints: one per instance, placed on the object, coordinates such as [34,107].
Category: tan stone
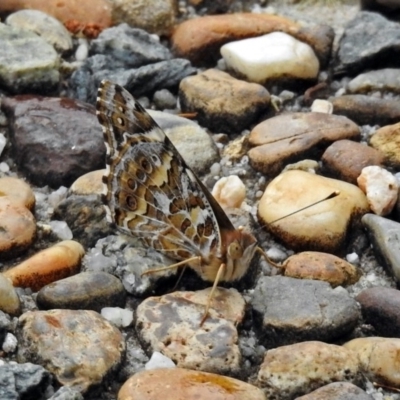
[379,358]
[289,138]
[229,191]
[47,266]
[200,39]
[321,266]
[17,227]
[387,141]
[18,191]
[90,183]
[9,300]
[321,227]
[303,367]
[183,384]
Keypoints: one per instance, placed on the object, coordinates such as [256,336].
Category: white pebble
[4,167]
[322,106]
[229,191]
[276,254]
[10,343]
[3,142]
[118,316]
[380,187]
[353,258]
[82,52]
[61,229]
[269,56]
[158,360]
[215,169]
[57,196]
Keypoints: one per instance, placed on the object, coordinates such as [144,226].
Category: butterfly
[151,193]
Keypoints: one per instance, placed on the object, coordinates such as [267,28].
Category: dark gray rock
[288,310]
[370,41]
[55,140]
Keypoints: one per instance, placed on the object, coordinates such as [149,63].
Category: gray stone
[27,62]
[387,79]
[289,310]
[384,235]
[66,393]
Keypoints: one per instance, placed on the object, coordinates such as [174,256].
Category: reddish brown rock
[387,141]
[200,39]
[345,159]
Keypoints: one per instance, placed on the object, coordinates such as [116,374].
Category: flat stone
[326,315]
[345,160]
[380,307]
[367,110]
[387,141]
[384,236]
[69,344]
[199,39]
[289,371]
[321,227]
[87,291]
[90,183]
[387,79]
[222,103]
[184,384]
[289,138]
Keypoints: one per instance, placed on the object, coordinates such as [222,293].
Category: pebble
[222,103]
[337,391]
[154,16]
[387,141]
[322,106]
[379,359]
[345,160]
[56,262]
[158,360]
[10,343]
[229,191]
[380,307]
[164,99]
[387,79]
[170,324]
[321,266]
[330,219]
[380,187]
[292,137]
[303,367]
[64,132]
[84,291]
[367,110]
[61,230]
[17,191]
[9,300]
[185,384]
[384,237]
[284,311]
[90,183]
[273,56]
[27,62]
[71,354]
[120,317]
[18,227]
[49,28]
[199,39]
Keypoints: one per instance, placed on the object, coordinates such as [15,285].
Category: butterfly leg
[211,295]
[173,266]
[268,260]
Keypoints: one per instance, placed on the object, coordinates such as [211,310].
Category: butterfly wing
[150,192]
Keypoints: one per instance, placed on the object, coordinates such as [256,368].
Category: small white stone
[269,56]
[118,316]
[4,167]
[381,188]
[353,258]
[10,343]
[57,196]
[229,191]
[322,106]
[158,360]
[61,229]
[3,142]
[215,169]
[82,51]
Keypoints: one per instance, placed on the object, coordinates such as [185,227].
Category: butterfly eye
[235,251]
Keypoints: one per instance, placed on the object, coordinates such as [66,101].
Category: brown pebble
[387,141]
[90,183]
[47,266]
[18,191]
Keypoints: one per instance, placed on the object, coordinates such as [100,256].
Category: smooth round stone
[303,367]
[9,300]
[78,346]
[345,159]
[387,141]
[184,384]
[380,307]
[321,266]
[387,79]
[17,228]
[273,56]
[337,391]
[320,227]
[229,191]
[49,28]
[380,187]
[90,183]
[17,191]
[87,291]
[56,262]
[379,358]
